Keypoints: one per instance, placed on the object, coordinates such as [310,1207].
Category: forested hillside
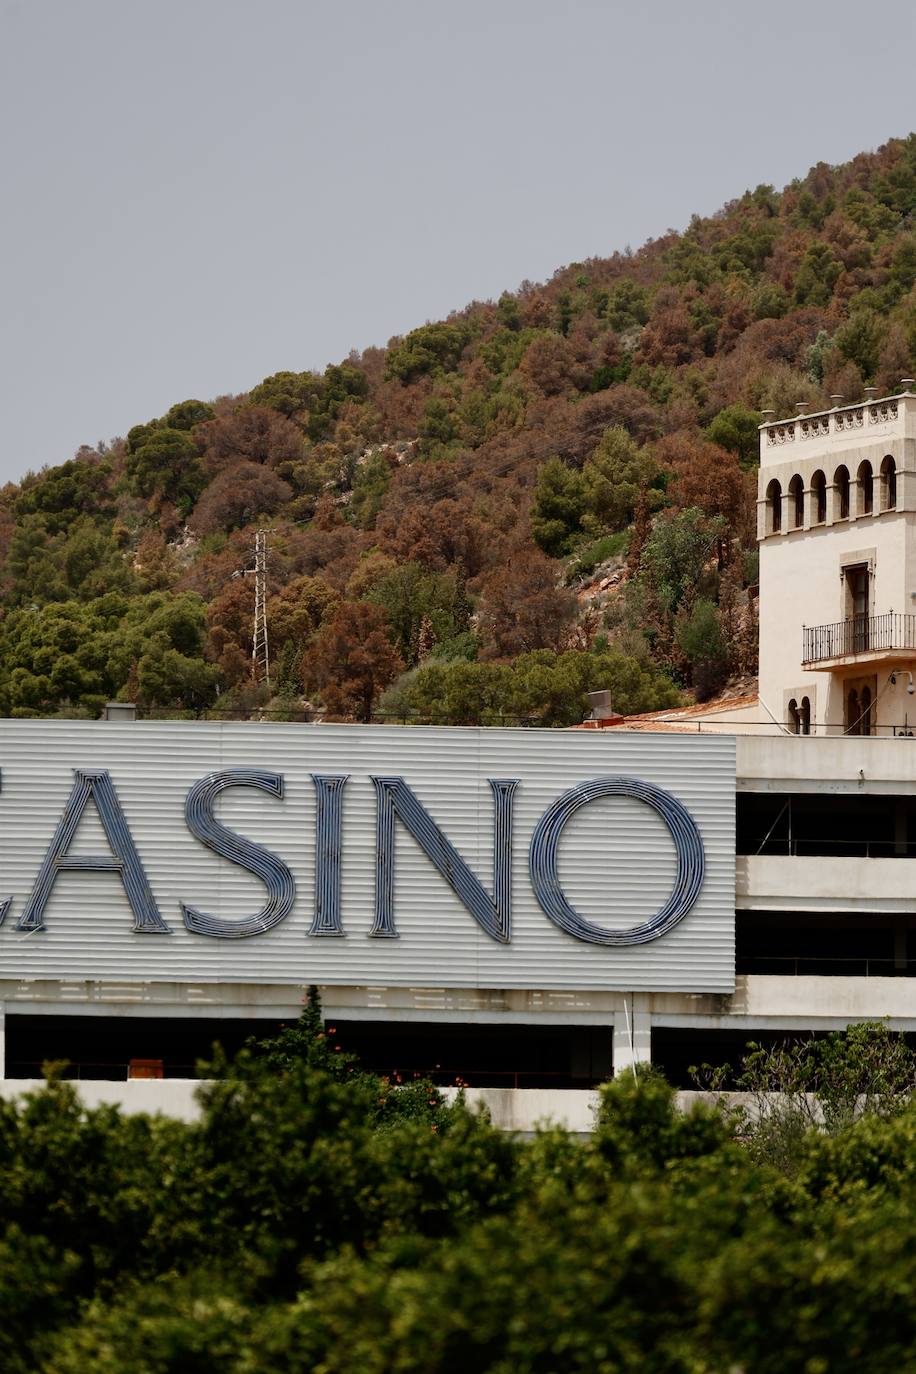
[532,499]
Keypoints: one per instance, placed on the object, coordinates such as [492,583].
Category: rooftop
[712,715]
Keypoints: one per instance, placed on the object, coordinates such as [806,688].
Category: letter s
[272,871]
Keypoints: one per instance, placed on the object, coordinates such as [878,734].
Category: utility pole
[260,655]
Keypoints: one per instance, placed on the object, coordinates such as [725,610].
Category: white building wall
[801,585]
[800,568]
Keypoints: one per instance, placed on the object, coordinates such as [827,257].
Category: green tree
[736,428]
[166,677]
[411,595]
[81,561]
[61,494]
[699,638]
[313,401]
[432,348]
[458,693]
[627,305]
[558,508]
[675,556]
[289,392]
[370,483]
[83,653]
[799,1086]
[543,687]
[859,340]
[613,477]
[187,414]
[817,275]
[164,464]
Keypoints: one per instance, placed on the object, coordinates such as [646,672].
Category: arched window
[819,497]
[797,502]
[866,483]
[888,483]
[853,714]
[794,717]
[841,493]
[865,724]
[774,507]
[805,716]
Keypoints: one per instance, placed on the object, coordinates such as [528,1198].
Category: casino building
[521,911]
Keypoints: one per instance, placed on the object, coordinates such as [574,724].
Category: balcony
[858,641]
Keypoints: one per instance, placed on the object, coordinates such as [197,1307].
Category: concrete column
[809,504]
[632,1034]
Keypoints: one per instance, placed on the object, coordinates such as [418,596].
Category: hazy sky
[197,193]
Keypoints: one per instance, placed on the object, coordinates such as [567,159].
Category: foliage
[613,477]
[79,561]
[558,508]
[544,687]
[589,556]
[700,640]
[369,487]
[676,554]
[822,1085]
[859,341]
[431,348]
[351,659]
[524,607]
[241,495]
[250,434]
[163,463]
[85,652]
[62,494]
[298,611]
[735,428]
[317,1216]
[424,609]
[313,402]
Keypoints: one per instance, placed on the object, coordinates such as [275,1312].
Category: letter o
[545,842]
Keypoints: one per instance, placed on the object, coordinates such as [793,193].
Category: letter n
[492,914]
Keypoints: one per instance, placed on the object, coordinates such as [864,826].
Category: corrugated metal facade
[617,858]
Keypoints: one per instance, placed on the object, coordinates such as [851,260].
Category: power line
[260,653]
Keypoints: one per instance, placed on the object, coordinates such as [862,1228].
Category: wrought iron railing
[860,634]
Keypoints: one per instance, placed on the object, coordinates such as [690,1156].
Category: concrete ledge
[521,1110]
[778,882]
[525,1109]
[512,1109]
[173,1097]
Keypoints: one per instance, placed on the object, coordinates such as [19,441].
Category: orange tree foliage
[522,607]
[351,660]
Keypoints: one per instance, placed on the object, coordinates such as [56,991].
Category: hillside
[537,497]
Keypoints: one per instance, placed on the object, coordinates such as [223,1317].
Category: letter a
[95,784]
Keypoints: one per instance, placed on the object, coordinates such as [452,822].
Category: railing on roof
[861,634]
[852,417]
